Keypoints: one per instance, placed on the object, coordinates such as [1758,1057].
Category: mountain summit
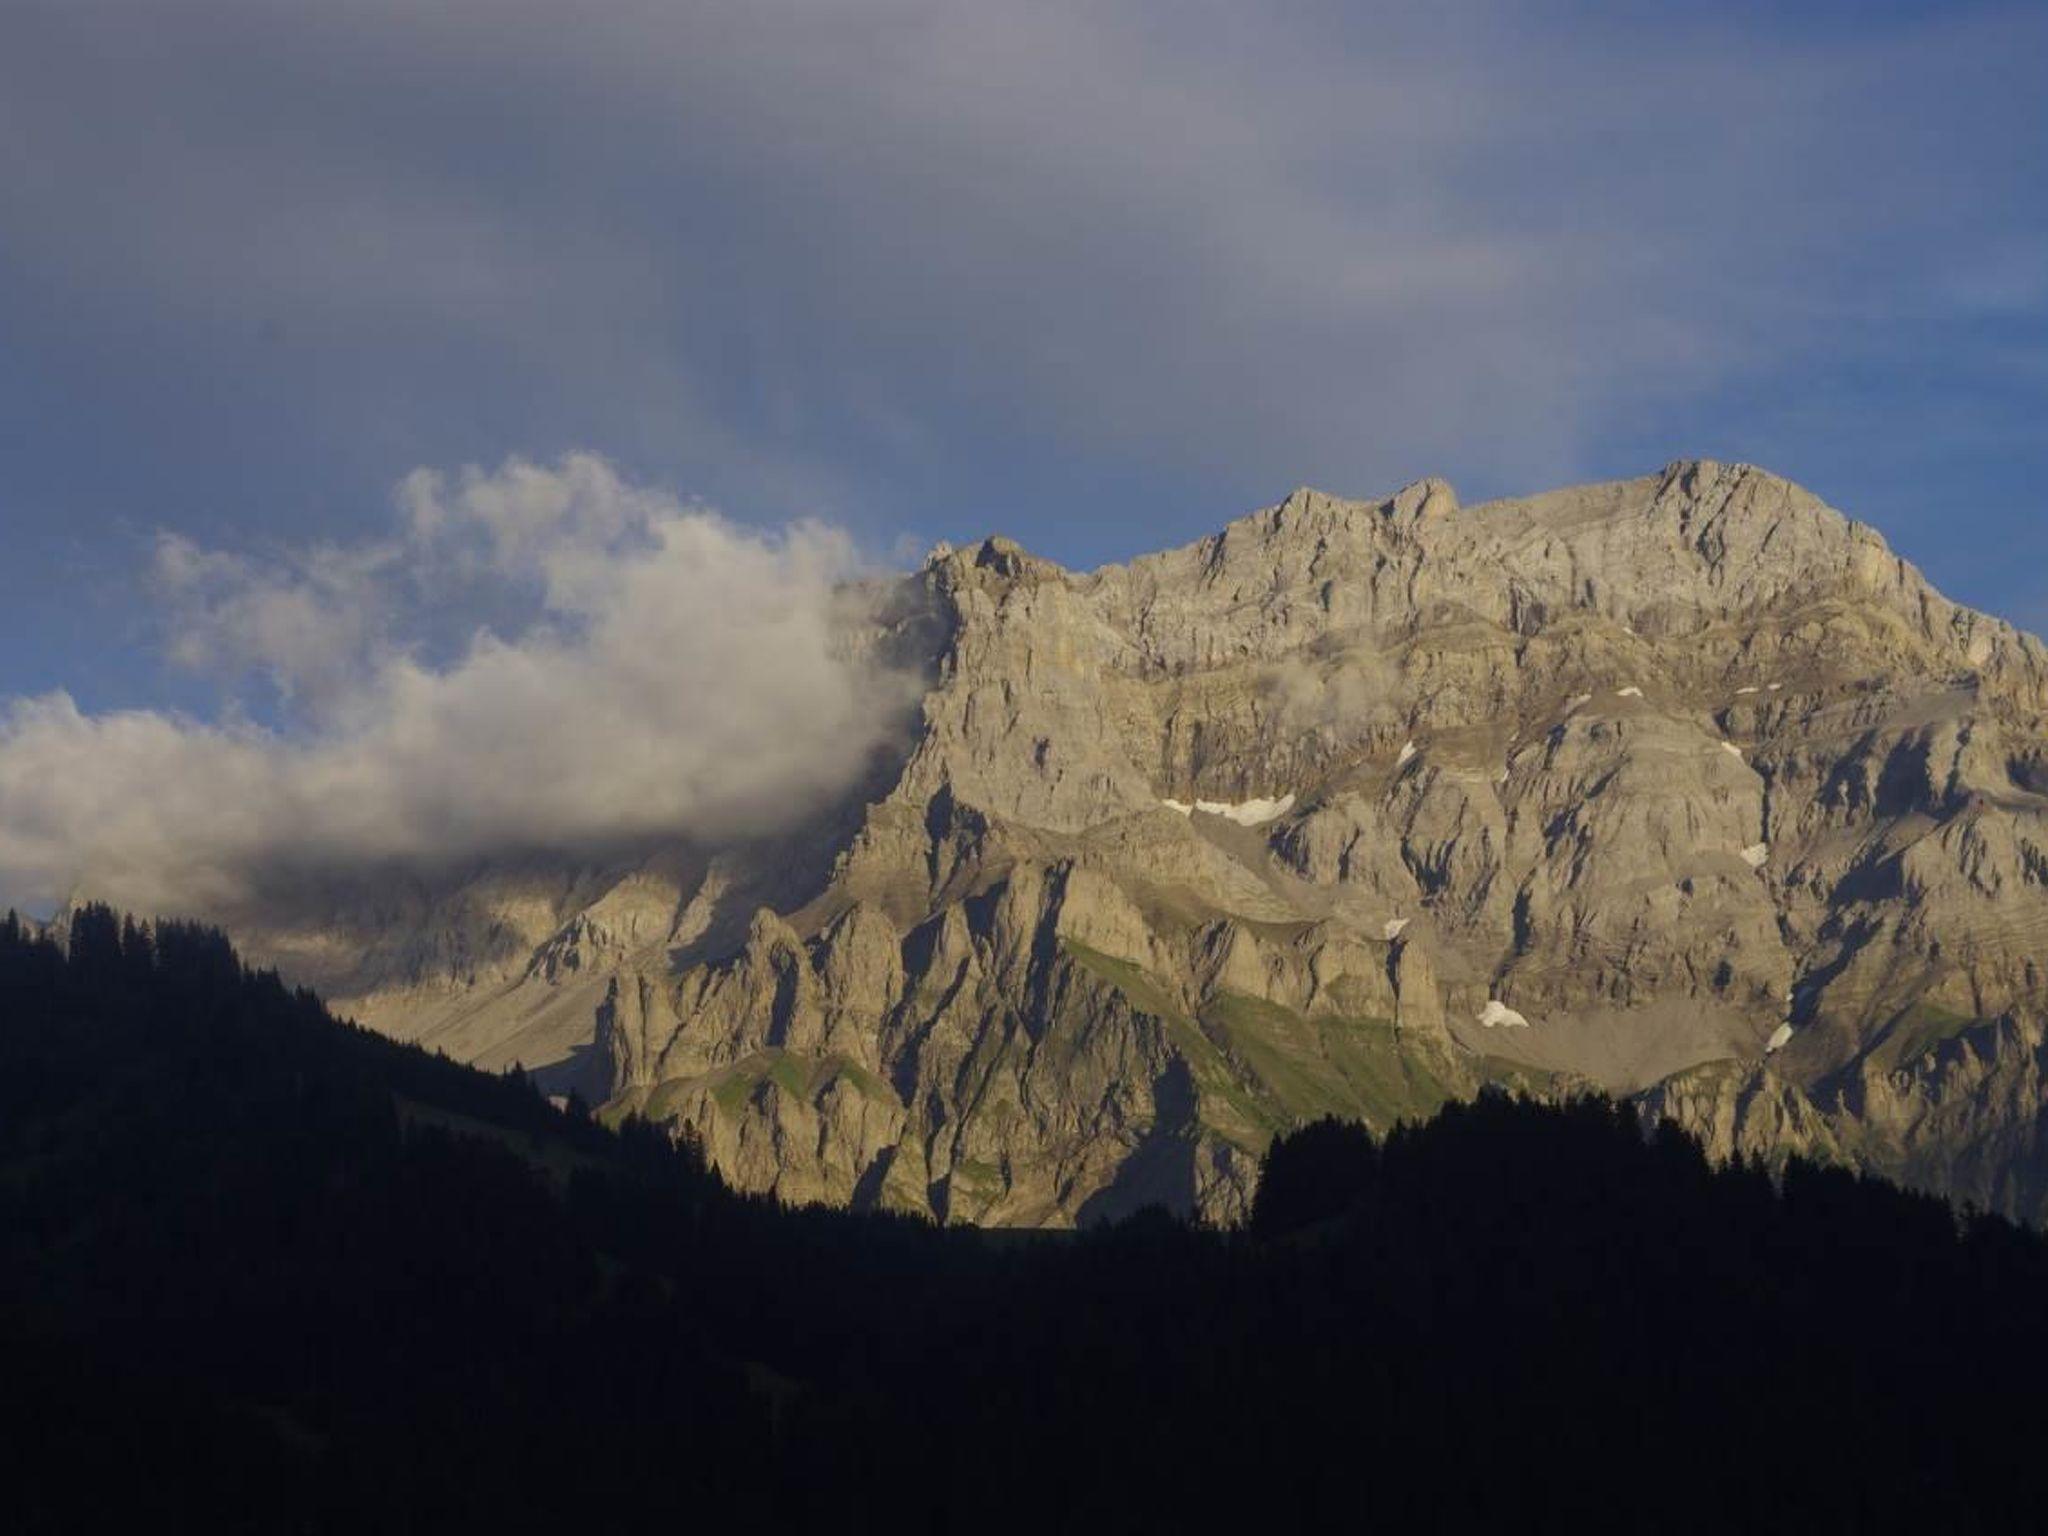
[1682,786]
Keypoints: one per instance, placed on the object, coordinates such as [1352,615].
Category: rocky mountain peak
[1684,785]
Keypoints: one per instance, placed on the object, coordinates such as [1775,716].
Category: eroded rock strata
[1685,786]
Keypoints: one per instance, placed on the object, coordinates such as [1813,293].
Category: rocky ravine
[1685,786]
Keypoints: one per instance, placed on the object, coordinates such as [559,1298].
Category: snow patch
[1251,813]
[1757,855]
[1630,693]
[1499,1014]
[1407,756]
[1745,692]
[1777,687]
[1396,926]
[1256,812]
[1730,748]
[1780,1040]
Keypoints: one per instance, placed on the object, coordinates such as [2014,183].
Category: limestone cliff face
[1683,785]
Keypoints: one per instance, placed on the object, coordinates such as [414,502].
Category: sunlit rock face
[1684,786]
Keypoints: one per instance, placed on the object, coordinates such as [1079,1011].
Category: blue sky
[1100,276]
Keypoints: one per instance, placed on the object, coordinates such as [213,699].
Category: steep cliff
[1684,786]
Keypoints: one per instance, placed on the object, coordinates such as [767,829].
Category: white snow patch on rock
[1630,693]
[1745,692]
[1499,1014]
[1731,748]
[1251,813]
[1407,756]
[1254,812]
[1757,855]
[1779,1040]
[1396,926]
[1777,687]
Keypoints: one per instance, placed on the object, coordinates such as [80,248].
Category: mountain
[1684,787]
[261,1271]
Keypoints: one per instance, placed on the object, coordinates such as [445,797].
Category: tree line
[261,1269]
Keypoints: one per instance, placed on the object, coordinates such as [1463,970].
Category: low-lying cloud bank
[640,667]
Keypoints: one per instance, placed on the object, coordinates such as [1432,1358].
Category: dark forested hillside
[261,1270]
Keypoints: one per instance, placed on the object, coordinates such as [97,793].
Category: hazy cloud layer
[660,671]
[931,259]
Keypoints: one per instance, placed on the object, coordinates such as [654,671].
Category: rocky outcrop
[1685,786]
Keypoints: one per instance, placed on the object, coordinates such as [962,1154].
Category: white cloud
[304,623]
[666,672]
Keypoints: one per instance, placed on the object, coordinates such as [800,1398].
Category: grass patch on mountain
[1261,1068]
[1231,1105]
[1281,1051]
[1127,978]
[732,1087]
[1360,1069]
[972,1189]
[1916,1031]
[1517,1077]
[1392,1079]
[845,1069]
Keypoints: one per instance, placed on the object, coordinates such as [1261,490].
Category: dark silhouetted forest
[261,1270]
